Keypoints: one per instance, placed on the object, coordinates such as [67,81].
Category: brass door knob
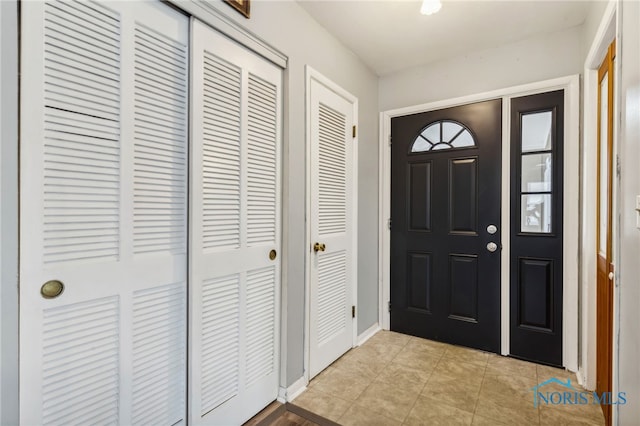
[51,289]
[319,247]
[273,254]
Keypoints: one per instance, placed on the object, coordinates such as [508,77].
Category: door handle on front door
[319,247]
[492,247]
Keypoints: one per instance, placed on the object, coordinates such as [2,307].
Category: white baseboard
[368,333]
[293,391]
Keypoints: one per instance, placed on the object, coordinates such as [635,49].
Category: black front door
[445,229]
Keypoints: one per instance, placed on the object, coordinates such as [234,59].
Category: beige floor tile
[453,391]
[412,379]
[585,413]
[424,345]
[484,421]
[516,410]
[546,372]
[325,405]
[393,401]
[430,411]
[508,384]
[359,416]
[464,370]
[339,383]
[470,356]
[390,337]
[380,351]
[563,417]
[360,363]
[418,359]
[499,364]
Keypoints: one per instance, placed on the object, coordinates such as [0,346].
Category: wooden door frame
[606,68]
[571,86]
[313,75]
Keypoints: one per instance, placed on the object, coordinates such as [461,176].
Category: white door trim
[9,213]
[571,86]
[312,74]
[588,301]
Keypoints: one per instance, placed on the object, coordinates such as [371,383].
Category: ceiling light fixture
[429,7]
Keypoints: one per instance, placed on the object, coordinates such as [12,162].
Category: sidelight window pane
[536,131]
[536,213]
[536,173]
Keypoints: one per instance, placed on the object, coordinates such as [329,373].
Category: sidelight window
[536,172]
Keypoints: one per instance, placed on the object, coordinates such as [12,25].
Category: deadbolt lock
[319,247]
[51,289]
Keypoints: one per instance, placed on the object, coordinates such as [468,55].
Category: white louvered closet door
[332,224]
[234,225]
[104,102]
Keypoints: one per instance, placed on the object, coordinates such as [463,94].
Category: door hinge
[618,166]
[389,223]
[353,311]
[354,131]
[390,138]
[389,305]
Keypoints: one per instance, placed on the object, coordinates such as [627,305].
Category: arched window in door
[443,134]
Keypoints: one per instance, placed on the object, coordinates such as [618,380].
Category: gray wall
[627,375]
[289,28]
[9,213]
[535,59]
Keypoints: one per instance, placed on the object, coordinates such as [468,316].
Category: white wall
[545,57]
[8,213]
[627,343]
[289,28]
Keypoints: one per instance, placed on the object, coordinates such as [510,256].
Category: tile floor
[395,379]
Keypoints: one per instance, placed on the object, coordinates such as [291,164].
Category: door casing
[571,86]
[599,47]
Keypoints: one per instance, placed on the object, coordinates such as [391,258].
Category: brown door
[605,267]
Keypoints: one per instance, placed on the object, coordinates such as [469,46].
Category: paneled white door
[234,230]
[104,102]
[332,150]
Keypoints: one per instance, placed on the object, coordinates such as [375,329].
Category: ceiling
[392,35]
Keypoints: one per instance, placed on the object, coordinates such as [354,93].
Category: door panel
[332,226]
[445,191]
[463,195]
[463,287]
[103,210]
[605,268]
[537,132]
[235,230]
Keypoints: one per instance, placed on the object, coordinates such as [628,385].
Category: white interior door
[234,229]
[104,94]
[332,226]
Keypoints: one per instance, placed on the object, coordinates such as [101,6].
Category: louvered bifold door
[104,103]
[332,226]
[234,231]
